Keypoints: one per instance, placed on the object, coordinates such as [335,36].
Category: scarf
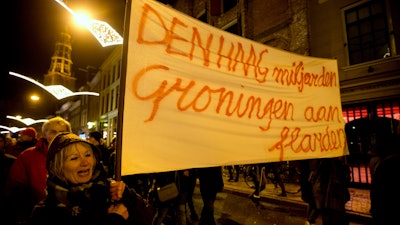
[88,198]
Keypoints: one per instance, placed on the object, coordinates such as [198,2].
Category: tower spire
[60,71]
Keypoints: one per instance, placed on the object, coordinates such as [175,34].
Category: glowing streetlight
[101,30]
[35,98]
[57,91]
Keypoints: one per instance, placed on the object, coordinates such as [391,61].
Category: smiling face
[79,163]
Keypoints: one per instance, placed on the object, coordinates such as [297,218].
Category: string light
[57,91]
[27,121]
[12,129]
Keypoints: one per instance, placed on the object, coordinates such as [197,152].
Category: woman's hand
[116,189]
[119,209]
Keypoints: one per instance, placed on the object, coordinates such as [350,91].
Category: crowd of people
[58,176]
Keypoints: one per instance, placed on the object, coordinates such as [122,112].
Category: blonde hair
[56,120]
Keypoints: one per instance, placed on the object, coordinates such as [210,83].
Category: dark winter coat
[210,180]
[385,195]
[329,179]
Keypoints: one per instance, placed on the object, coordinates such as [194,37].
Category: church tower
[61,64]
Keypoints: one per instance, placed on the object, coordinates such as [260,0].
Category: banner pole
[118,149]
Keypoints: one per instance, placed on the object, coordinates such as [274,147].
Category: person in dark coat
[162,208]
[193,175]
[184,186]
[177,206]
[211,183]
[329,179]
[95,138]
[78,191]
[305,185]
[260,180]
[234,169]
[384,192]
[6,161]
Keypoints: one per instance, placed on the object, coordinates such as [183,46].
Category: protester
[2,154]
[193,175]
[78,191]
[26,182]
[112,148]
[274,168]
[259,176]
[259,182]
[384,192]
[174,210]
[26,139]
[235,169]
[186,184]
[329,179]
[305,185]
[95,138]
[162,208]
[6,160]
[10,142]
[183,180]
[211,183]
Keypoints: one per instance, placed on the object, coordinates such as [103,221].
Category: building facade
[364,37]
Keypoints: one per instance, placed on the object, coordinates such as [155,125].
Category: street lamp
[35,98]
[101,30]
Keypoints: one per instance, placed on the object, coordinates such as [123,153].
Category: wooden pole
[118,149]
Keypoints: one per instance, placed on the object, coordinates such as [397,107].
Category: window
[229,4]
[222,6]
[112,100]
[367,32]
[107,103]
[117,97]
[368,125]
[203,17]
[102,104]
[387,110]
[118,69]
[234,29]
[353,113]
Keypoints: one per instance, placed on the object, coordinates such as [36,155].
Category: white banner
[196,96]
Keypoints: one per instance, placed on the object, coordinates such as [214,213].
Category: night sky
[32,27]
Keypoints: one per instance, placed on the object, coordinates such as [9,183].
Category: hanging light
[57,91]
[102,31]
